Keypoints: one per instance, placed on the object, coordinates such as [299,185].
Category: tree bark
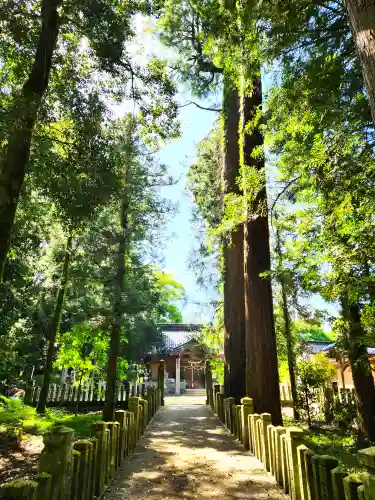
[287,329]
[362,20]
[234,312]
[55,326]
[361,369]
[262,380]
[22,117]
[117,314]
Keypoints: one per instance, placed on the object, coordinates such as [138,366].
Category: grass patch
[329,440]
[13,413]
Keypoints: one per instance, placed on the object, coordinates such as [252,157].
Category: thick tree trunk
[234,312]
[55,326]
[21,118]
[262,380]
[117,314]
[362,20]
[287,329]
[361,370]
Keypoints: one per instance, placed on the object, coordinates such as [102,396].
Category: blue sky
[178,155]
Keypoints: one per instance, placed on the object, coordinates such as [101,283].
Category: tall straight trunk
[262,379]
[287,328]
[117,314]
[361,369]
[362,21]
[234,312]
[55,325]
[22,117]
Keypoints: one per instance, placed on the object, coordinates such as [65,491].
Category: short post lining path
[187,453]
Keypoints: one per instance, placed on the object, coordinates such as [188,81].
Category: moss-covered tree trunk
[234,312]
[21,121]
[117,314]
[361,369]
[55,325]
[262,379]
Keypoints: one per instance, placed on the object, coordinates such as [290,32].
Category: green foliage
[314,374]
[13,413]
[308,331]
[84,349]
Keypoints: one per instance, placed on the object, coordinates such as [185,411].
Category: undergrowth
[14,414]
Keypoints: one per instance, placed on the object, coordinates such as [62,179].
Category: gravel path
[187,453]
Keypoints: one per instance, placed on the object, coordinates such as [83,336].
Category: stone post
[265,421]
[326,464]
[302,471]
[220,397]
[234,419]
[285,466]
[150,394]
[307,455]
[209,389]
[134,408]
[93,466]
[56,459]
[161,381]
[230,403]
[84,447]
[294,437]
[120,416]
[238,422]
[337,475]
[217,404]
[131,431]
[255,433]
[144,405]
[44,481]
[216,390]
[271,448]
[361,492]
[316,480]
[367,458]
[246,410]
[99,430]
[278,432]
[114,428]
[351,485]
[20,489]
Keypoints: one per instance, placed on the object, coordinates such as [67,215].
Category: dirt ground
[187,453]
[19,462]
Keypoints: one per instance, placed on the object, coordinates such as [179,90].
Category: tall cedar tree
[186,26]
[233,254]
[362,20]
[261,354]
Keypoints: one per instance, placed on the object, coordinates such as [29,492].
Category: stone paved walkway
[186,453]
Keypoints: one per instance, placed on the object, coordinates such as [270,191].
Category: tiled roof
[176,335]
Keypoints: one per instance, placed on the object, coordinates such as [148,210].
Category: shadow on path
[187,453]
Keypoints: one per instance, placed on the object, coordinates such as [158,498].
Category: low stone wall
[300,472]
[82,470]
